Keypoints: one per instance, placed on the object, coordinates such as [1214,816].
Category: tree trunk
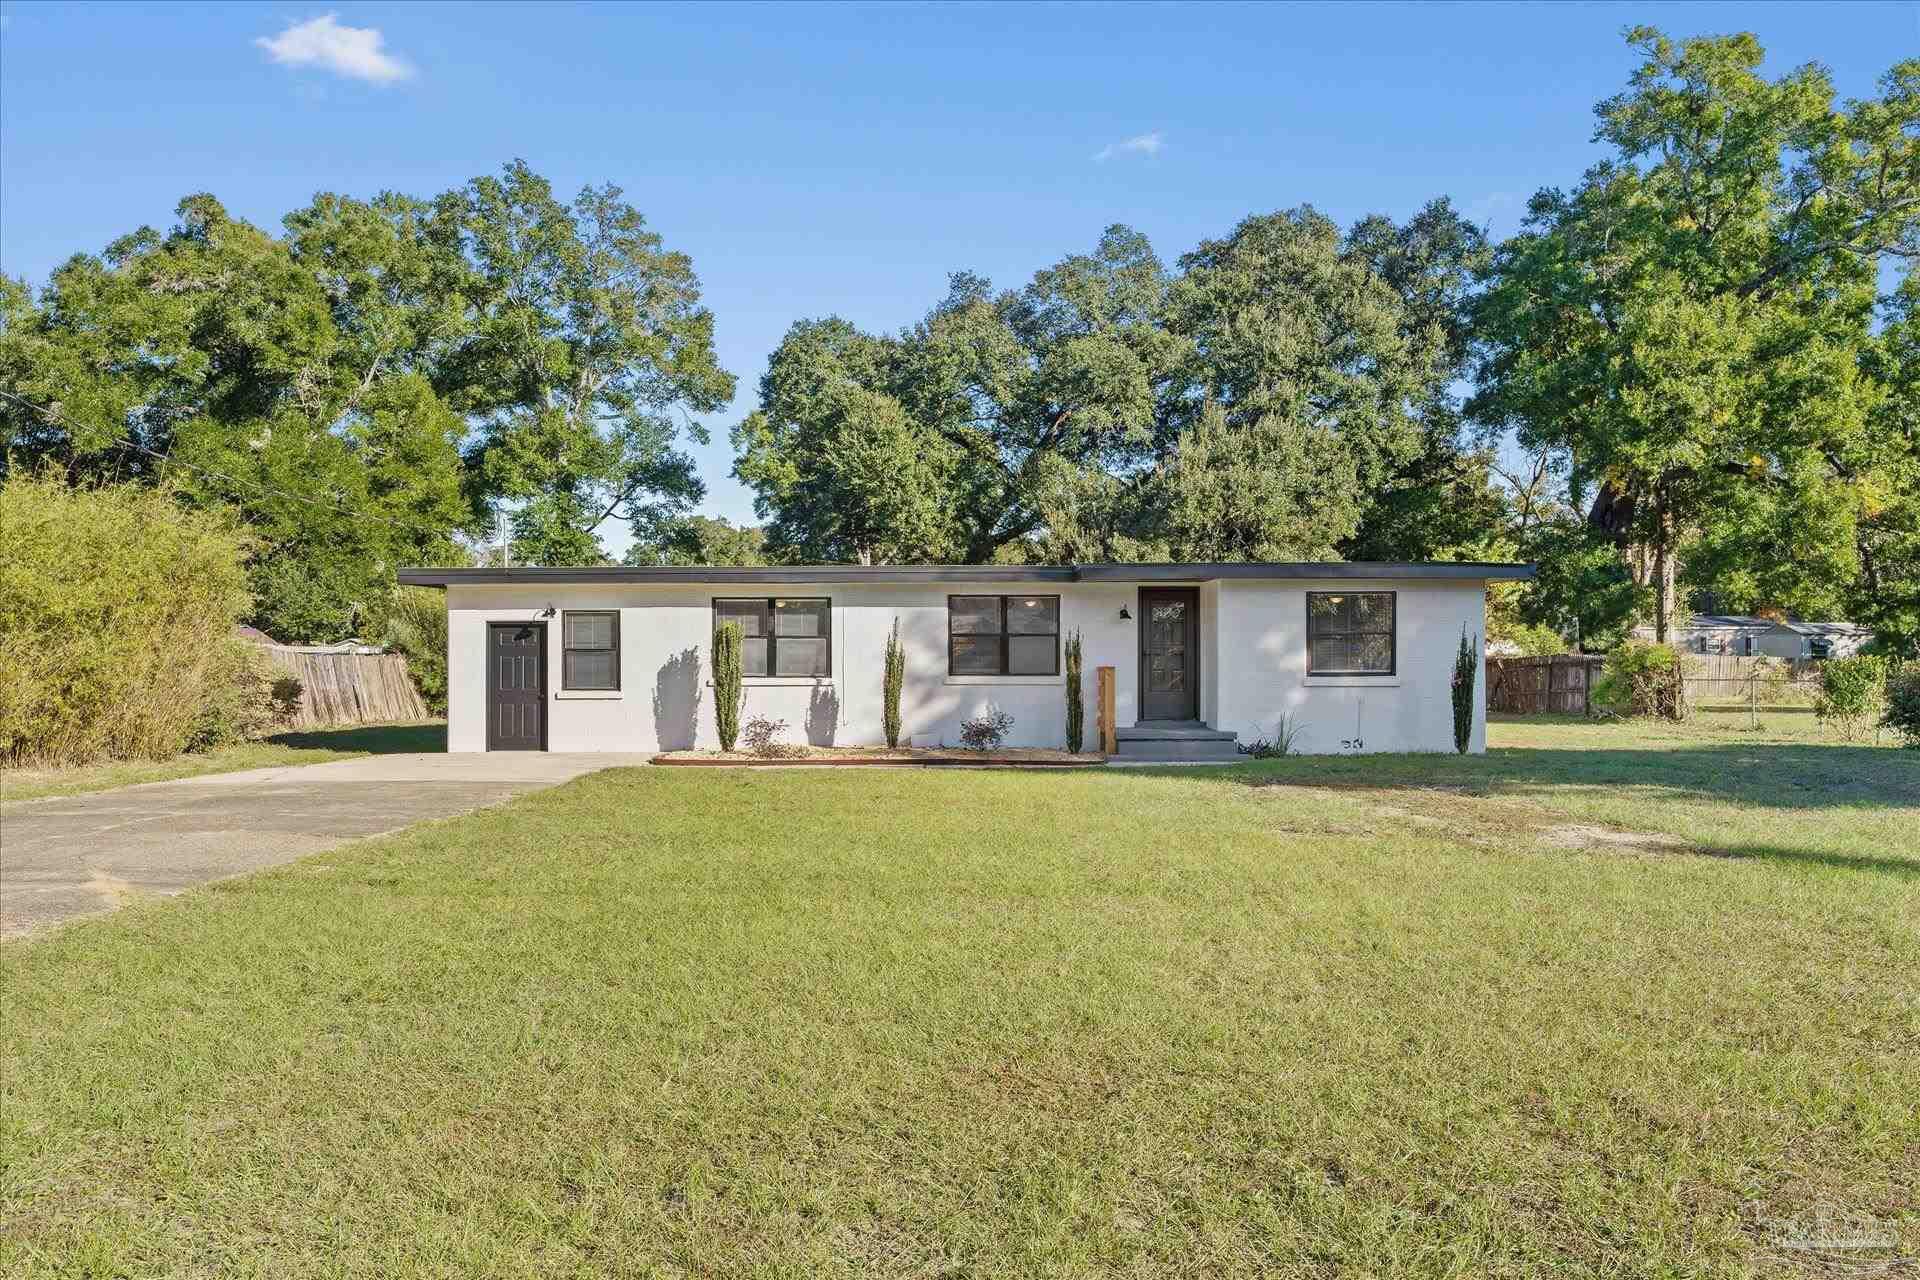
[1664,570]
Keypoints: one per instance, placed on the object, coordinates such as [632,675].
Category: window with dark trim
[1350,633]
[1003,635]
[590,649]
[781,637]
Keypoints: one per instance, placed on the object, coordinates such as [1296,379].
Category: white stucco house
[1204,655]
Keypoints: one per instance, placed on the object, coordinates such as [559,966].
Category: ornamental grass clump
[1466,669]
[726,683]
[896,675]
[1076,708]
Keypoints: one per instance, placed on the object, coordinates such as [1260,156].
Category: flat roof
[1346,570]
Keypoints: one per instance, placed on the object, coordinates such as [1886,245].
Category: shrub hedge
[117,610]
[1642,679]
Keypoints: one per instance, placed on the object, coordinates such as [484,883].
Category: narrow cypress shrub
[1466,667]
[895,677]
[726,683]
[1076,710]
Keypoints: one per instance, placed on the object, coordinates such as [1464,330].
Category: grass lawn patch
[311,746]
[1304,1017]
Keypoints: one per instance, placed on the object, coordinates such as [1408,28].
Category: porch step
[1174,740]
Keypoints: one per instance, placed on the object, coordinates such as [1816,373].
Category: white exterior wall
[1261,655]
[1252,665]
[665,700]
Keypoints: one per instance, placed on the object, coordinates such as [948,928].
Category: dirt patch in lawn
[1584,835]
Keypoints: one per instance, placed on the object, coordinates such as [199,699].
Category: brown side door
[516,686]
[1169,653]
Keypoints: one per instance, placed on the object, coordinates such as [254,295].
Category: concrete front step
[1220,752]
[1174,740]
[1172,731]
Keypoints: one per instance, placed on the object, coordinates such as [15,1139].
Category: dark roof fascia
[776,575]
[1449,571]
[1344,570]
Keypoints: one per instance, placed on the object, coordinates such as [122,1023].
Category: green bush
[1076,708]
[1532,639]
[117,610]
[417,627]
[896,675]
[1642,679]
[726,683]
[1851,691]
[247,697]
[1902,714]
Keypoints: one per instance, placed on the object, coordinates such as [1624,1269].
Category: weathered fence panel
[1530,686]
[350,688]
[1724,679]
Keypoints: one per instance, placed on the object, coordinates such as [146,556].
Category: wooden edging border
[802,762]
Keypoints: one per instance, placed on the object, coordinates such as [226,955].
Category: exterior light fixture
[548,612]
[1124,615]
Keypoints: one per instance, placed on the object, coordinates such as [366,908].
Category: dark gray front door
[1169,653]
[516,686]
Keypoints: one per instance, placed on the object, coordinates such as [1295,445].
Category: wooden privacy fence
[349,688]
[1529,686]
[1722,679]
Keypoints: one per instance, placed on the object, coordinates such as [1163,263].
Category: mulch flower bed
[1020,758]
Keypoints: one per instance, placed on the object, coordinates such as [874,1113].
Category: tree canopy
[1692,374]
[1691,326]
[376,381]
[1255,404]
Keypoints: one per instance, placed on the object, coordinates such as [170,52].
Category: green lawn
[1603,1003]
[315,746]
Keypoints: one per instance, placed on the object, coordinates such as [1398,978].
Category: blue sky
[844,159]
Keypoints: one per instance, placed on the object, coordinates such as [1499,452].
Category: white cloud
[354,52]
[1143,144]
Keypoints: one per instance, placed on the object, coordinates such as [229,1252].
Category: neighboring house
[1741,636]
[617,659]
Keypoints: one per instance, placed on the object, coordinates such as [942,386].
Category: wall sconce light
[548,612]
[1124,615]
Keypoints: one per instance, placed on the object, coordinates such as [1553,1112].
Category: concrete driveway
[76,855]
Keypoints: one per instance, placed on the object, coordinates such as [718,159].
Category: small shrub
[896,675]
[1466,668]
[249,698]
[417,628]
[1076,708]
[760,737]
[1286,736]
[1902,713]
[1642,679]
[726,683]
[986,731]
[1852,691]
